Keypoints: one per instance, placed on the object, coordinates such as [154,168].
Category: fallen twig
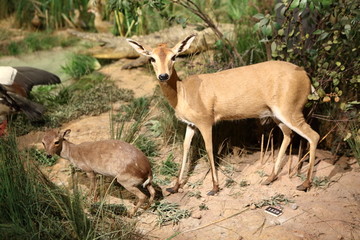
[262,149]
[268,143]
[261,227]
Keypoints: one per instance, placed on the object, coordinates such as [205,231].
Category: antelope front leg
[190,131]
[92,177]
[206,132]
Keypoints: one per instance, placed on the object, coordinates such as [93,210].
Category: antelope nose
[163,77]
[49,156]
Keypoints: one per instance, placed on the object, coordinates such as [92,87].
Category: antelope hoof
[305,186]
[270,179]
[172,190]
[213,191]
[130,214]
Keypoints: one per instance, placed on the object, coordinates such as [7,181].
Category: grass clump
[275,200]
[168,126]
[169,167]
[229,182]
[320,182]
[169,213]
[353,140]
[203,207]
[117,209]
[127,126]
[41,157]
[147,145]
[79,65]
[244,183]
[195,184]
[196,194]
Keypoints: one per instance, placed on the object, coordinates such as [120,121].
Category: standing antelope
[270,89]
[111,158]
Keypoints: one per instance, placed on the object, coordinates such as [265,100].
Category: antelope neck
[169,88]
[65,150]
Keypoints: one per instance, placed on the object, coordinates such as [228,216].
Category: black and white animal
[15,86]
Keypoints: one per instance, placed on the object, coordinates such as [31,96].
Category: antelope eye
[57,142]
[173,58]
[152,59]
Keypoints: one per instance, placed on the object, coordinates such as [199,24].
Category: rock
[294,206]
[252,206]
[196,215]
[274,222]
[181,190]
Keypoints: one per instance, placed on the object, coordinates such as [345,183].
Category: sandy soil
[327,212]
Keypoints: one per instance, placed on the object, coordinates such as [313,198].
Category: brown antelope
[270,89]
[111,158]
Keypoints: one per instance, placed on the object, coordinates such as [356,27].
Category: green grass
[194,184]
[33,42]
[90,95]
[169,167]
[51,12]
[353,140]
[79,65]
[31,207]
[196,194]
[277,199]
[128,125]
[169,213]
[41,157]
[167,126]
[203,207]
[244,183]
[320,182]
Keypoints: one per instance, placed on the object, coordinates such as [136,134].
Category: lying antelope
[111,158]
[270,89]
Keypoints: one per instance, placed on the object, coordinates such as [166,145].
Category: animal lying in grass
[113,158]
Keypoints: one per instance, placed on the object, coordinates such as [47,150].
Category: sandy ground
[327,212]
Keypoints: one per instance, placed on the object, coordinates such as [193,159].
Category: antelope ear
[139,48]
[183,45]
[66,134]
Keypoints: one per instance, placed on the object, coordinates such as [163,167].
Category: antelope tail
[147,181]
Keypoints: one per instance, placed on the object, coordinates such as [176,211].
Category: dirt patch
[139,79]
[328,211]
